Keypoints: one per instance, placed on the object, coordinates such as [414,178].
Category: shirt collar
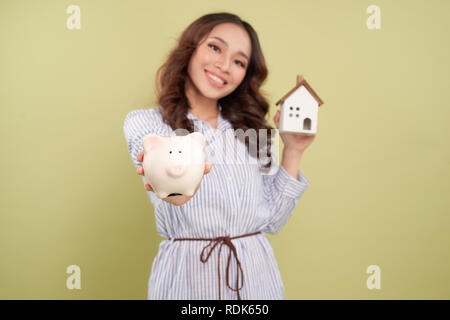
[222,123]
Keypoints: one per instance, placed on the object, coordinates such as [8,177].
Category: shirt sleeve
[281,193]
[137,124]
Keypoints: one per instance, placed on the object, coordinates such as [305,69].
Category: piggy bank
[174,165]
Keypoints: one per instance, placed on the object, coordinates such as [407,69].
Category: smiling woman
[211,81]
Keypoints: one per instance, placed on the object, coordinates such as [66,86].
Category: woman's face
[219,63]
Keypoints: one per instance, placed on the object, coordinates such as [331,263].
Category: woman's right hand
[175,200]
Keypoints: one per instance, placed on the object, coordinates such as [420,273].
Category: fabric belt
[223,241]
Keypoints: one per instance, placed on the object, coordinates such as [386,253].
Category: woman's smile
[215,80]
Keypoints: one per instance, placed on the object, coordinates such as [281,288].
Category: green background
[379,166]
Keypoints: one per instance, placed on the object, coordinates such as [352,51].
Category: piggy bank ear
[198,137]
[151,141]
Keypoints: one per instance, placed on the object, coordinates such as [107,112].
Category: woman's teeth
[219,81]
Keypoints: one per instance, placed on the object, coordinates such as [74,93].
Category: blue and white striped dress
[233,199]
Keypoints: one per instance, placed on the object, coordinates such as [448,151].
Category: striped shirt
[234,198]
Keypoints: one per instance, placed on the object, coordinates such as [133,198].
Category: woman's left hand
[293,141]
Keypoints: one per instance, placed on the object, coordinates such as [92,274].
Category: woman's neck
[202,107]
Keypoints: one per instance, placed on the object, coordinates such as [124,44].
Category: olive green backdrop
[379,166]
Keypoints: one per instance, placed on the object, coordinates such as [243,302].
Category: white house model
[299,109]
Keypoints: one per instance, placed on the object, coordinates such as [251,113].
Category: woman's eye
[213,46]
[239,62]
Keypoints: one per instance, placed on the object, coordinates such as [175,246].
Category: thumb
[276,118]
[208,166]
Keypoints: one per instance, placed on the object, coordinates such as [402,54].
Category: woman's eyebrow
[225,43]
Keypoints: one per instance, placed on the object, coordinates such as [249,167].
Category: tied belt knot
[213,243]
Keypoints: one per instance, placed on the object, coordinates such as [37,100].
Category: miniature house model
[299,109]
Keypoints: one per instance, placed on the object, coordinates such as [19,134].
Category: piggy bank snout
[176,170]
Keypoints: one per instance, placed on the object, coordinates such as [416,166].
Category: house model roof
[301,82]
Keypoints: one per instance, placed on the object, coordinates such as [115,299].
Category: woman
[211,83]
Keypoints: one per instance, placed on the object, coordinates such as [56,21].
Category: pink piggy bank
[174,164]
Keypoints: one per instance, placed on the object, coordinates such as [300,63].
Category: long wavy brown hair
[245,108]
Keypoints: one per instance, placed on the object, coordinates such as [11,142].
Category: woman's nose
[223,63]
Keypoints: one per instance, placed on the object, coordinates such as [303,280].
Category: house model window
[299,109]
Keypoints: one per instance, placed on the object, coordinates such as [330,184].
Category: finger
[140,170]
[208,166]
[140,156]
[148,187]
[277,118]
